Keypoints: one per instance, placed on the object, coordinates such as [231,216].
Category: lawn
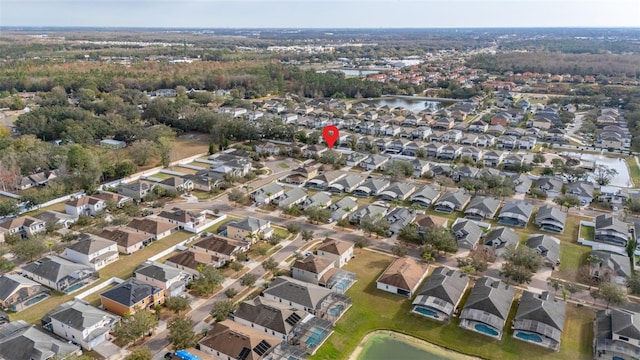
[55,207]
[373,309]
[122,268]
[283,165]
[214,228]
[572,256]
[588,232]
[184,147]
[634,170]
[281,231]
[162,176]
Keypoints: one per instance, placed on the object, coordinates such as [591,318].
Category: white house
[339,251]
[92,251]
[166,277]
[86,205]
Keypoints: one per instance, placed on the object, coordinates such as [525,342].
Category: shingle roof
[541,313]
[611,223]
[9,283]
[250,224]
[444,284]
[90,245]
[239,341]
[55,268]
[158,271]
[269,314]
[547,246]
[404,273]
[489,302]
[151,226]
[220,245]
[299,292]
[130,292]
[20,340]
[80,315]
[334,246]
[313,264]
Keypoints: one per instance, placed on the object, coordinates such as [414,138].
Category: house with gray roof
[521,182]
[59,273]
[552,186]
[440,294]
[267,193]
[250,229]
[420,167]
[540,319]
[467,233]
[136,190]
[355,158]
[616,266]
[482,207]
[270,317]
[616,334]
[17,292]
[320,199]
[80,323]
[425,196]
[498,238]
[515,213]
[292,197]
[611,230]
[372,211]
[464,172]
[374,162]
[372,187]
[583,190]
[452,200]
[487,307]
[92,251]
[169,278]
[20,340]
[324,180]
[400,217]
[398,191]
[547,246]
[343,208]
[346,184]
[550,218]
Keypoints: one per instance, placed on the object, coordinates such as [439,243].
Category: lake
[621,179]
[413,105]
[389,345]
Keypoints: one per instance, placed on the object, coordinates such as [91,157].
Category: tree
[612,294]
[520,263]
[538,158]
[554,283]
[140,353]
[399,250]
[633,283]
[236,266]
[361,242]
[567,201]
[124,169]
[307,235]
[142,151]
[409,233]
[517,273]
[270,264]
[603,175]
[572,288]
[222,309]
[399,169]
[293,228]
[248,280]
[318,214]
[165,145]
[29,249]
[209,279]
[441,239]
[630,248]
[237,196]
[133,327]
[177,304]
[181,334]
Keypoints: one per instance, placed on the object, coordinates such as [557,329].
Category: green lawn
[281,231]
[572,256]
[122,268]
[634,170]
[162,176]
[283,165]
[373,309]
[588,232]
[214,228]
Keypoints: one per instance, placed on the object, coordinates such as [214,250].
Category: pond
[413,105]
[621,179]
[390,345]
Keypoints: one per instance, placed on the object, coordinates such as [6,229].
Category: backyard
[634,170]
[373,309]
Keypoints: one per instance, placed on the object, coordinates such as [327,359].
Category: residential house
[185,219]
[374,162]
[515,213]
[426,221]
[343,208]
[20,340]
[137,190]
[521,182]
[425,196]
[337,250]
[221,247]
[482,207]
[547,246]
[513,162]
[398,191]
[267,193]
[449,152]
[301,175]
[320,199]
[92,251]
[118,200]
[433,149]
[527,142]
[158,229]
[467,233]
[464,172]
[616,334]
[203,183]
[399,218]
[371,211]
[80,323]
[269,317]
[583,190]
[496,130]
[372,187]
[611,265]
[472,152]
[551,218]
[487,308]
[540,319]
[355,158]
[440,294]
[85,205]
[312,269]
[347,184]
[486,140]
[59,273]
[453,200]
[172,280]
[499,238]
[177,184]
[131,296]
[493,158]
[402,276]
[611,230]
[17,292]
[292,197]
[551,186]
[193,260]
[228,340]
[22,226]
[267,148]
[322,182]
[37,179]
[250,229]
[127,240]
[478,126]
[60,220]
[507,142]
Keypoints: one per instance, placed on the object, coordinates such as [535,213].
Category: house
[177,184]
[611,230]
[37,179]
[158,229]
[85,205]
[550,218]
[583,190]
[92,251]
[426,221]
[485,141]
[507,142]
[343,208]
[314,151]
[482,207]
[185,219]
[347,184]
[527,142]
[269,317]
[550,185]
[127,240]
[472,153]
[616,334]
[116,199]
[440,294]
[515,213]
[80,323]
[250,229]
[131,296]
[449,152]
[20,340]
[320,199]
[399,218]
[229,340]
[487,307]
[371,211]
[59,273]
[374,162]
[314,269]
[433,149]
[398,191]
[425,196]
[17,292]
[420,167]
[355,158]
[193,260]
[322,182]
[522,183]
[267,148]
[498,238]
[547,246]
[467,233]
[513,162]
[172,280]
[337,250]
[60,220]
[464,172]
[454,200]
[137,190]
[301,175]
[292,197]
[478,126]
[203,183]
[402,276]
[22,226]
[616,266]
[540,319]
[267,193]
[372,187]
[221,247]
[314,299]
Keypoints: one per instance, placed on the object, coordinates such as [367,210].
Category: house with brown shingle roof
[312,268]
[185,219]
[228,340]
[339,251]
[403,276]
[128,240]
[109,197]
[23,226]
[191,260]
[222,247]
[85,205]
[157,228]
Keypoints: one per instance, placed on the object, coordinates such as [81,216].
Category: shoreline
[423,344]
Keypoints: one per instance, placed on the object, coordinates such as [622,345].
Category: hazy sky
[321,13]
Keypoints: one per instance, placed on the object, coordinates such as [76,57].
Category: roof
[24,220]
[20,340]
[109,196]
[517,209]
[489,302]
[467,233]
[551,212]
[239,341]
[130,292]
[609,222]
[270,314]
[84,200]
[443,289]
[124,237]
[91,245]
[540,313]
[220,245]
[431,220]
[484,206]
[80,315]
[505,235]
[455,197]
[625,323]
[158,271]
[151,226]
[313,264]
[334,246]
[9,283]
[183,216]
[250,224]
[618,263]
[193,258]
[296,291]
[547,246]
[404,273]
[55,268]
[426,192]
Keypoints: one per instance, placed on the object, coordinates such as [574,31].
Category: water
[351,72]
[75,287]
[316,337]
[485,330]
[35,300]
[622,179]
[529,337]
[427,312]
[336,311]
[385,347]
[413,105]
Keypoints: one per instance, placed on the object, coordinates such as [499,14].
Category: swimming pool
[336,310]
[486,330]
[75,287]
[342,285]
[529,337]
[317,335]
[35,300]
[427,312]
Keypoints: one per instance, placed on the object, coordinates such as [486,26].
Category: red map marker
[330,135]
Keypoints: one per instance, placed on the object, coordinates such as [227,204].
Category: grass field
[588,232]
[185,147]
[634,171]
[373,309]
[214,228]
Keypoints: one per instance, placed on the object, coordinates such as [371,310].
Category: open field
[634,171]
[189,145]
[374,309]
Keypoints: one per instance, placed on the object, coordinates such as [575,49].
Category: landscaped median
[373,309]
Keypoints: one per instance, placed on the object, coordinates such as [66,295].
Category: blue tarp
[185,355]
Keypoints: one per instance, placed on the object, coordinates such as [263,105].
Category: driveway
[110,351]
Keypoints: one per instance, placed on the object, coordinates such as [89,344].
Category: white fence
[11,195]
[178,246]
[596,245]
[113,280]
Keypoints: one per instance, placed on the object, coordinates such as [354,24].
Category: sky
[321,13]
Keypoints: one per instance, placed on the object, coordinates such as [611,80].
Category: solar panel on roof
[293,319]
[262,348]
[244,353]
